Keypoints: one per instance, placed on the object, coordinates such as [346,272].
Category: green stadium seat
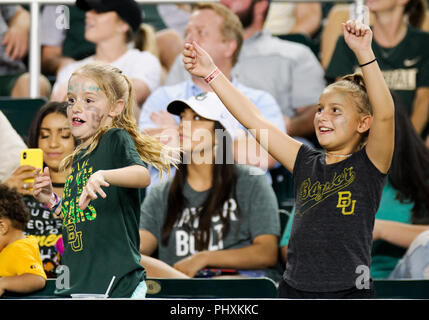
[402,289]
[20,112]
[212,288]
[184,288]
[282,183]
[239,288]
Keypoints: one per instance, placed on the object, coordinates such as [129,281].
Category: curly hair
[13,207]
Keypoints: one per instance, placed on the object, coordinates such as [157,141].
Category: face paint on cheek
[96,117]
[342,122]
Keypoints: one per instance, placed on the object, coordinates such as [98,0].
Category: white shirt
[11,145]
[135,64]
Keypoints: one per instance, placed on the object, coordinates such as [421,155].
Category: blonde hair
[355,86]
[231,28]
[145,39]
[118,86]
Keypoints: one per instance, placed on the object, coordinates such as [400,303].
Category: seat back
[201,288]
[402,289]
[20,112]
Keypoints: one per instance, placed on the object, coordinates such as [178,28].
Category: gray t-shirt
[331,237]
[7,65]
[253,212]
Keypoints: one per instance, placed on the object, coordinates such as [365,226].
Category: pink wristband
[52,202]
[212,75]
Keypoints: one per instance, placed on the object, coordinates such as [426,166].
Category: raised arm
[381,137]
[279,145]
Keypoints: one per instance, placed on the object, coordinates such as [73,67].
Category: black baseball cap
[128,10]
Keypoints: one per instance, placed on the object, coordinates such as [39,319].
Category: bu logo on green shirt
[72,214]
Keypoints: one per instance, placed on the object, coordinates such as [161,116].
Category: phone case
[32,157]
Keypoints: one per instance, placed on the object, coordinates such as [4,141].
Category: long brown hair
[224,180]
[416,12]
[117,86]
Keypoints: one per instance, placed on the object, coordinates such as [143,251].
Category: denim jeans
[415,263]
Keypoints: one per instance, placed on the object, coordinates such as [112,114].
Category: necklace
[339,155]
[58,185]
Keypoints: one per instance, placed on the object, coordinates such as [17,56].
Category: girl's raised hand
[42,186]
[358,36]
[93,186]
[197,61]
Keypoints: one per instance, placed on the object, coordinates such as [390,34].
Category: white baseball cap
[208,106]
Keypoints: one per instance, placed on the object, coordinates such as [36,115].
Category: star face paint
[88,107]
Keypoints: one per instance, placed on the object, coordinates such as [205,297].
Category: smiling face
[89,108]
[338,124]
[55,139]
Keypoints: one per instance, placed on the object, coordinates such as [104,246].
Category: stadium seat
[20,112]
[402,289]
[239,288]
[211,288]
[184,288]
[283,187]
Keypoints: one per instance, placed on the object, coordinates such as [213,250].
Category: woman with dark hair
[50,132]
[402,52]
[404,209]
[213,213]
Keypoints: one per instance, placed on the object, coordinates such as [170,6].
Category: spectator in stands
[213,213]
[20,264]
[110,25]
[404,208]
[294,18]
[415,263]
[14,32]
[50,132]
[219,31]
[340,13]
[402,50]
[287,70]
[355,125]
[11,145]
[62,45]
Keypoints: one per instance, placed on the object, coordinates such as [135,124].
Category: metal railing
[34,52]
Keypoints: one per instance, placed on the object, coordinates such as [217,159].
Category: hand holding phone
[32,157]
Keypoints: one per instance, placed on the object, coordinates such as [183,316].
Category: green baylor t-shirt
[103,240]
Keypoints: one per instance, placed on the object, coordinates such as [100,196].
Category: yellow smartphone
[32,157]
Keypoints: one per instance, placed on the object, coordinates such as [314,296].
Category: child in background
[21,268]
[100,234]
[337,191]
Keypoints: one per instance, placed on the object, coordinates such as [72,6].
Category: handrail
[34,52]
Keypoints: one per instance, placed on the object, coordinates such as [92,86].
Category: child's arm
[135,176]
[381,137]
[23,283]
[261,254]
[279,144]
